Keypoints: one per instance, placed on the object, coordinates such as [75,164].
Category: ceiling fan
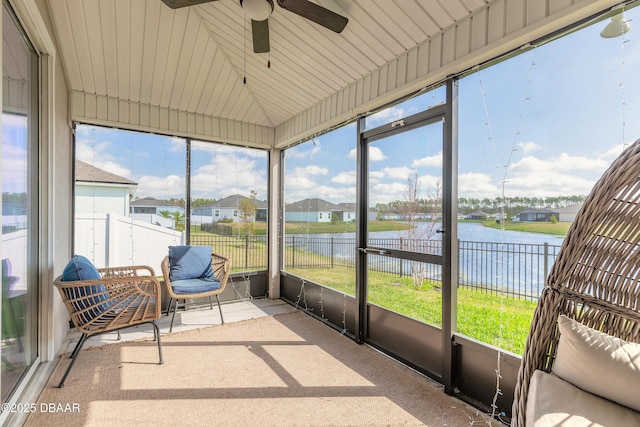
[259,11]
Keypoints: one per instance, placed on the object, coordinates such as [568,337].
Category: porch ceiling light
[617,27]
[258,10]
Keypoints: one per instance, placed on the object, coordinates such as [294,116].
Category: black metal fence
[245,252]
[516,269]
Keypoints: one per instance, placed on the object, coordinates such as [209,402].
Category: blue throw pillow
[189,262]
[80,268]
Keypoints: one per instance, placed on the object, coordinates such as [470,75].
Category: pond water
[467,231]
[515,261]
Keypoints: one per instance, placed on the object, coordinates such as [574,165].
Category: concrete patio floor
[194,317]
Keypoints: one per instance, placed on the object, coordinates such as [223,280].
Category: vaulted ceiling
[144,65]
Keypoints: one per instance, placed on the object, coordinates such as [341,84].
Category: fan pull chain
[244,53]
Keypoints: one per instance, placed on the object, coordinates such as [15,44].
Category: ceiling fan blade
[260,33]
[315,13]
[176,4]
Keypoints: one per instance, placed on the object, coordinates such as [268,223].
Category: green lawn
[559,228]
[494,319]
[239,228]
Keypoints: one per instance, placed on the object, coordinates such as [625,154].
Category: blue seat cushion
[80,268]
[195,286]
[189,262]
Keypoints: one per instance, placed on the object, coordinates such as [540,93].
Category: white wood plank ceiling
[193,60]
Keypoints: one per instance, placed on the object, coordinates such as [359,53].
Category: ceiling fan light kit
[257,10]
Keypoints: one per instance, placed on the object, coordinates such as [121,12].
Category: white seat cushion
[555,402]
[598,363]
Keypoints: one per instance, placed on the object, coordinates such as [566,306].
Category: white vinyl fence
[111,240]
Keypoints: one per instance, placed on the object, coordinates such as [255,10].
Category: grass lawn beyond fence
[493,319]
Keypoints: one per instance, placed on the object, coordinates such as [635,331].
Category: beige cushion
[598,363]
[554,402]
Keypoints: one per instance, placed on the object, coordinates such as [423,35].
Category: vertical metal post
[275,222]
[362,219]
[246,251]
[187,202]
[546,262]
[450,236]
[332,254]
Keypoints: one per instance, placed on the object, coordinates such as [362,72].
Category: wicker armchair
[192,272]
[595,279]
[121,298]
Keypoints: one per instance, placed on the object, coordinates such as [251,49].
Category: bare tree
[422,224]
[248,208]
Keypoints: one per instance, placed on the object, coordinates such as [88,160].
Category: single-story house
[568,213]
[311,210]
[478,215]
[151,210]
[225,209]
[531,215]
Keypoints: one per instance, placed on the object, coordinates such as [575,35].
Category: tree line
[467,205]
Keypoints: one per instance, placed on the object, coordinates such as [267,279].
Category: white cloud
[303,177]
[376,176]
[304,151]
[345,178]
[551,184]
[402,172]
[160,187]
[228,173]
[434,161]
[385,193]
[528,147]
[562,175]
[314,170]
[115,168]
[385,116]
[98,154]
[479,185]
[429,186]
[564,162]
[93,152]
[300,183]
[375,154]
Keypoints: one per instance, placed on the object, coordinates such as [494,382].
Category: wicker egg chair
[595,278]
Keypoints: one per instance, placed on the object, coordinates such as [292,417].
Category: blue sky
[14,154]
[549,120]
